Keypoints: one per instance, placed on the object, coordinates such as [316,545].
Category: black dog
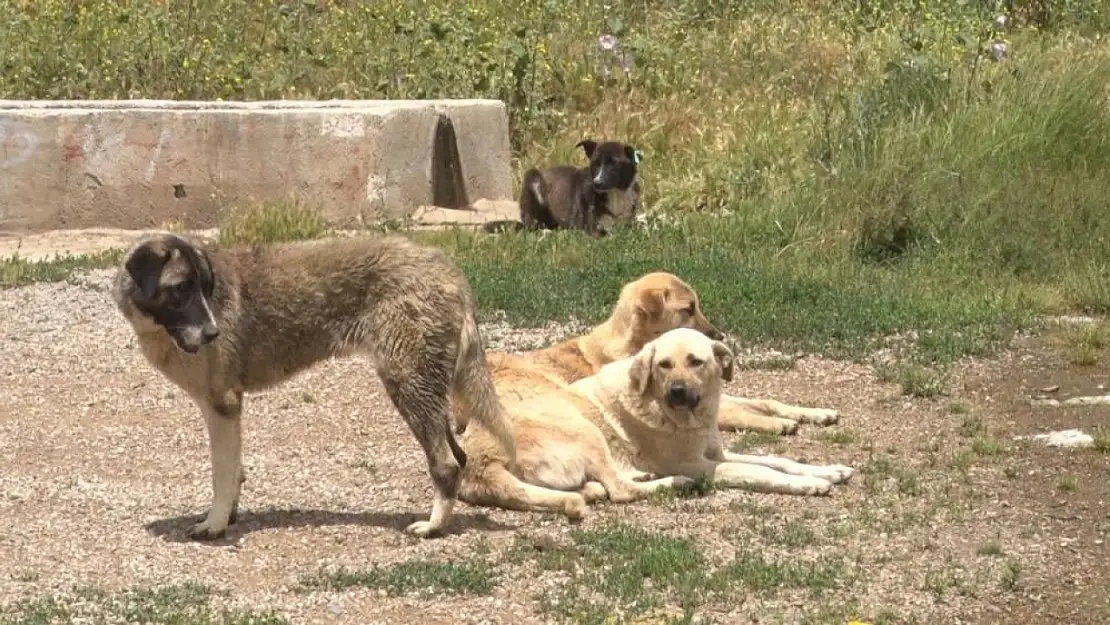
[565,196]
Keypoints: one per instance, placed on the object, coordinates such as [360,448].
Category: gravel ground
[104,465]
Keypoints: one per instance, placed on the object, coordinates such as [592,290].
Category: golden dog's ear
[640,372]
[725,359]
[651,302]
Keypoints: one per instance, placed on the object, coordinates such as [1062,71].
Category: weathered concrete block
[143,163]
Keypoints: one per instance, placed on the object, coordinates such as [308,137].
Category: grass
[856,171]
[1084,343]
[626,570]
[427,577]
[16,271]
[1101,442]
[164,605]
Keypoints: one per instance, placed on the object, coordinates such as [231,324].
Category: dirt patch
[103,466]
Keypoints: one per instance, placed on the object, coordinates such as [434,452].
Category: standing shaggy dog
[219,323]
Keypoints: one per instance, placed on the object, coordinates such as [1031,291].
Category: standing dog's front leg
[225,442]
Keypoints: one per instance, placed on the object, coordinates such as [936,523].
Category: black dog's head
[173,285]
[612,164]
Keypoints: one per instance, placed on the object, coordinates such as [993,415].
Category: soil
[104,466]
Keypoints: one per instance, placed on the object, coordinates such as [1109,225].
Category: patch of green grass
[701,487]
[990,548]
[748,441]
[271,222]
[429,577]
[626,570]
[16,271]
[987,447]
[881,470]
[165,605]
[1101,440]
[1011,576]
[913,380]
[1067,484]
[1085,342]
[972,426]
[840,437]
[793,534]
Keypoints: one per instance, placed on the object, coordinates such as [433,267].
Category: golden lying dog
[640,423]
[647,307]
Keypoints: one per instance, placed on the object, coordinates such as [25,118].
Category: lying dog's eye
[665,364]
[695,362]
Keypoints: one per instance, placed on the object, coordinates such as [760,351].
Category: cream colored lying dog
[639,424]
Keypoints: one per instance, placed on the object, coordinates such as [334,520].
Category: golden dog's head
[683,370]
[658,302]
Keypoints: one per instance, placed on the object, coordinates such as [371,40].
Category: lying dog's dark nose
[678,394]
[209,333]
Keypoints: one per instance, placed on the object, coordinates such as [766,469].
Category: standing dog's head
[658,302]
[612,164]
[169,280]
[683,371]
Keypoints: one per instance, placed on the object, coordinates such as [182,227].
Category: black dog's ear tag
[637,157]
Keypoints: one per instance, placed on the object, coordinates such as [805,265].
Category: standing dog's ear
[145,268]
[205,276]
[640,372]
[587,145]
[651,302]
[725,359]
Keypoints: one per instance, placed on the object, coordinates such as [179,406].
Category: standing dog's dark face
[173,282]
[612,164]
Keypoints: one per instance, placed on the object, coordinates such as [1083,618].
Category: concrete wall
[143,163]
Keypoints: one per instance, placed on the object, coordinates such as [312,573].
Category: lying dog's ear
[651,302]
[588,146]
[145,268]
[634,155]
[640,372]
[725,359]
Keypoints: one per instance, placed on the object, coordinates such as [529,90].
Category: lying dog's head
[682,370]
[612,163]
[658,302]
[171,281]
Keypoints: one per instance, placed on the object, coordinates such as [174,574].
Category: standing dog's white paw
[206,530]
[423,529]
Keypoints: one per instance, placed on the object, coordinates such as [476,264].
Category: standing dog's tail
[474,392]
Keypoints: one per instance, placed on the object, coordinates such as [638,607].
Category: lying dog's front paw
[819,416]
[812,486]
[834,473]
[789,426]
[575,508]
[206,530]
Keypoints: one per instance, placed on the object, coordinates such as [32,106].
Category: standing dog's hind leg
[424,404]
[225,442]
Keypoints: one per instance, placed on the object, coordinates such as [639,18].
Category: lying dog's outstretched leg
[493,485]
[624,489]
[734,416]
[835,473]
[757,478]
[222,417]
[774,408]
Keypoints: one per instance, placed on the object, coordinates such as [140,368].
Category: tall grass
[835,171]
